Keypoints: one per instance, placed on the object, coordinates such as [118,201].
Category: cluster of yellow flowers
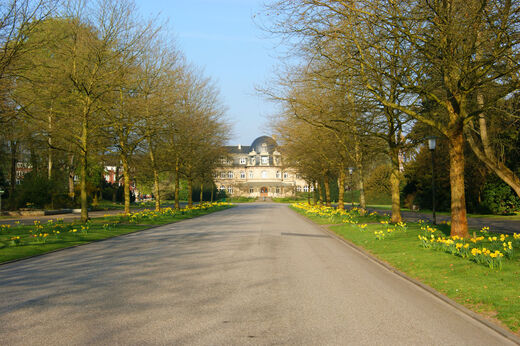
[139,216]
[333,214]
[493,259]
[16,240]
[468,248]
[380,235]
[351,217]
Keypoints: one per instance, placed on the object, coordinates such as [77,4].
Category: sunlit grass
[21,241]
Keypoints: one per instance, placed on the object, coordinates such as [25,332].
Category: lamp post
[431,145]
[350,171]
[1,193]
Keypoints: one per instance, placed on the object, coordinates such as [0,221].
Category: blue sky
[221,37]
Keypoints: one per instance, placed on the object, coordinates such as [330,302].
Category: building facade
[258,171]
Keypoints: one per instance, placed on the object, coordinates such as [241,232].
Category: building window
[230,189]
[264,174]
[222,174]
[278,175]
[265,160]
[299,188]
[222,188]
[243,161]
[230,175]
[253,161]
[285,175]
[298,176]
[251,190]
[242,175]
[251,175]
[311,188]
[306,188]
[277,190]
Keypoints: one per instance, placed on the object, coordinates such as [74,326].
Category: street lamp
[1,193]
[432,142]
[350,171]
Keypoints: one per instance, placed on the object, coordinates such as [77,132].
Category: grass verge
[493,293]
[241,199]
[19,241]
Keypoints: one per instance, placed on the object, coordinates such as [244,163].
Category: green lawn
[289,199]
[21,241]
[240,199]
[492,292]
[447,213]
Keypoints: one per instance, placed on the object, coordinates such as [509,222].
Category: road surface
[256,274]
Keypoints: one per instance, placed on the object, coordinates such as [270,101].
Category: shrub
[499,198]
[36,191]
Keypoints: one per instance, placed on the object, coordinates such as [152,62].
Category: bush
[499,198]
[37,192]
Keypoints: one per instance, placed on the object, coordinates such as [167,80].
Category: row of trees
[89,80]
[378,76]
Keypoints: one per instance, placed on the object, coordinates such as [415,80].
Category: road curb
[498,329]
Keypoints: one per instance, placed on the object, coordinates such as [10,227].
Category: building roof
[234,149]
[269,142]
[270,145]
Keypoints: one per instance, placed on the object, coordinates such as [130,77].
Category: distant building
[22,168]
[258,171]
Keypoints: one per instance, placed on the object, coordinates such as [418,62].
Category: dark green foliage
[499,198]
[36,191]
[418,175]
[377,185]
[206,194]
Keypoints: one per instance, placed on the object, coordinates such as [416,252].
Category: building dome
[264,143]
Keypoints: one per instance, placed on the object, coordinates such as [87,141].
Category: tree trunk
[341,188]
[126,183]
[83,169]
[309,184]
[327,190]
[501,170]
[83,187]
[360,172]
[34,159]
[315,194]
[394,186]
[177,185]
[320,194]
[201,192]
[71,176]
[49,154]
[459,221]
[212,193]
[190,191]
[14,160]
[155,179]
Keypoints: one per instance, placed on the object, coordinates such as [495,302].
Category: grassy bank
[21,241]
[440,263]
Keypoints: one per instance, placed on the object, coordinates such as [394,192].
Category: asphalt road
[254,274]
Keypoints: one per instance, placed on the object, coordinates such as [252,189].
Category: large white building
[258,171]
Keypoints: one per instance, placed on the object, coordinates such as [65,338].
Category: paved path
[254,274]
